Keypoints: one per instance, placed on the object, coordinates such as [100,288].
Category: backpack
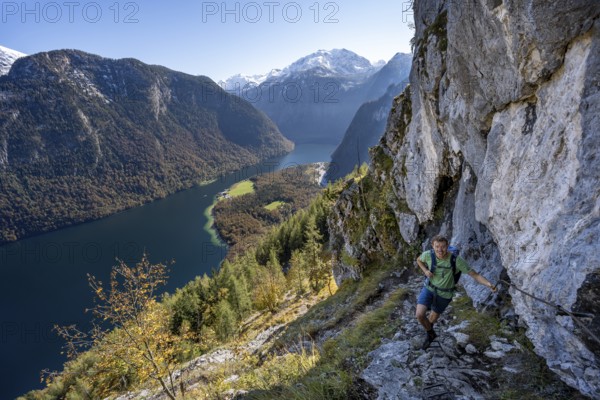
[453,254]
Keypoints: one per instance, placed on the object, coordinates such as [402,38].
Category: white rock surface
[504,115]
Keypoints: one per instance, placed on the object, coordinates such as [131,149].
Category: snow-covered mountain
[7,58]
[239,80]
[339,63]
[314,98]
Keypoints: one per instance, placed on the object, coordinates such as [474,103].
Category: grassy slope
[324,341]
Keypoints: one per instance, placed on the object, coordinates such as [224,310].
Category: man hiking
[440,285]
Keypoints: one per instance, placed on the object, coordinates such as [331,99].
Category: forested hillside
[275,197]
[82,137]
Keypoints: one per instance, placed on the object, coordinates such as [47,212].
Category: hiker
[439,287]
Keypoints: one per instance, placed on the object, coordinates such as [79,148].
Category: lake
[44,278]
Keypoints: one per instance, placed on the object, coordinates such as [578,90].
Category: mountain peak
[7,58]
[334,62]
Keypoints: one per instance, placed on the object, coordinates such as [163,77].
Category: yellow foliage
[140,346]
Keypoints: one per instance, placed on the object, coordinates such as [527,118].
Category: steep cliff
[493,143]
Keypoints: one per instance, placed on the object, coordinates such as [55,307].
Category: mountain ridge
[7,58]
[331,62]
[117,133]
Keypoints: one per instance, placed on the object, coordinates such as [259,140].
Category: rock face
[494,144]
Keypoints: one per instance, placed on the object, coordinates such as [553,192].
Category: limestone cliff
[494,144]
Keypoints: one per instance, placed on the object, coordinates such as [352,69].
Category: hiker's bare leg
[421,317]
[433,317]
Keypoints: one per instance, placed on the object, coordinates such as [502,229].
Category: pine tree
[296,237]
[318,271]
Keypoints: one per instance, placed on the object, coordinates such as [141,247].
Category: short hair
[440,238]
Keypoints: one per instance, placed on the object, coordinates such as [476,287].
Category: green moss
[405,118]
[481,325]
[438,28]
[347,259]
[381,161]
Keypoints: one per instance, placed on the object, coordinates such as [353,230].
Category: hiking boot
[430,337]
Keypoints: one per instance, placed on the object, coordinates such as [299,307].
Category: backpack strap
[455,271]
[453,257]
[453,263]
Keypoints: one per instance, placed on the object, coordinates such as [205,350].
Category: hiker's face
[440,248]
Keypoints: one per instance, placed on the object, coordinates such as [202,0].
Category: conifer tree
[318,271]
[239,296]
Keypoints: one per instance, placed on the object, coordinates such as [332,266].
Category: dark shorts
[436,303]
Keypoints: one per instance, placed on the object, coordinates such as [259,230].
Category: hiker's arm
[424,268]
[481,279]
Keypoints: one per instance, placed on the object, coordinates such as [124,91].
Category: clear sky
[213,38]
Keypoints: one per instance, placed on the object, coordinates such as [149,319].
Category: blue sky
[213,38]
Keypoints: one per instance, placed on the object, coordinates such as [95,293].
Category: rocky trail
[451,368]
[468,359]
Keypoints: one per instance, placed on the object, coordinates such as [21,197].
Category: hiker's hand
[429,274]
[493,288]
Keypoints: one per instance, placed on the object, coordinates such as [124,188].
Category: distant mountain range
[342,63]
[7,58]
[315,98]
[83,136]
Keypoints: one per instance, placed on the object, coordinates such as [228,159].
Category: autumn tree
[130,330]
[269,284]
